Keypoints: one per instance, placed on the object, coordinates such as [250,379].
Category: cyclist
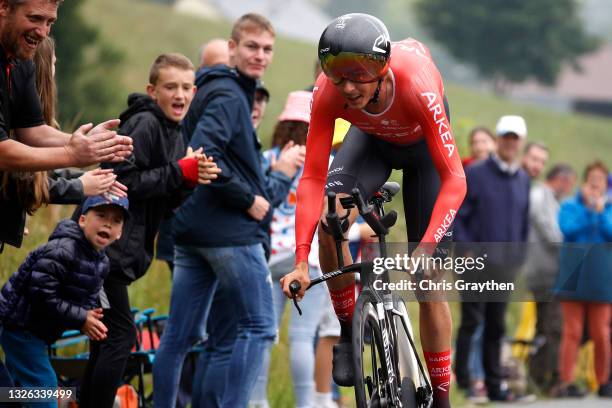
[393,95]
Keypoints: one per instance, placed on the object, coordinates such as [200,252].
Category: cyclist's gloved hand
[427,269]
[300,273]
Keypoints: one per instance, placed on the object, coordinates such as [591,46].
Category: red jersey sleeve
[425,96]
[312,183]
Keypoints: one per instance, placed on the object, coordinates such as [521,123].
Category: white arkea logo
[380,40]
[439,118]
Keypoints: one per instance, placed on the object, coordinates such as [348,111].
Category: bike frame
[375,217]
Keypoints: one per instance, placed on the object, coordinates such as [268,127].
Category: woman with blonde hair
[64,186]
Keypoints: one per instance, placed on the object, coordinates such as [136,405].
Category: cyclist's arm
[428,101]
[312,183]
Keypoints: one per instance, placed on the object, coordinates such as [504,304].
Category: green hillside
[142,30]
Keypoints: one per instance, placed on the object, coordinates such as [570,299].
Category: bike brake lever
[294,288]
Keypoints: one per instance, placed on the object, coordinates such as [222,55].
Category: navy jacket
[219,120]
[55,286]
[495,209]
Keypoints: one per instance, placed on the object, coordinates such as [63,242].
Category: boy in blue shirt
[58,288]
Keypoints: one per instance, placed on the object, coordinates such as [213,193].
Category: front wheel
[371,377]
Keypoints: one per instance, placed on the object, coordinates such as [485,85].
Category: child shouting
[58,288]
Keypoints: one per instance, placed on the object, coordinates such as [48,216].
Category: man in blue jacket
[221,230]
[495,209]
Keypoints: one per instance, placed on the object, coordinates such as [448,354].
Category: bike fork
[389,352]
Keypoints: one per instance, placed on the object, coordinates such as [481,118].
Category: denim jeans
[28,362]
[302,332]
[476,367]
[5,377]
[243,275]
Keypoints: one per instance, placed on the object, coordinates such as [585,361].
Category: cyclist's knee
[326,241]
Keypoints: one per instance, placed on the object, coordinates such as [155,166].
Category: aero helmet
[355,47]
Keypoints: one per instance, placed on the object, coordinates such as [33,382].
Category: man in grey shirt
[542,269]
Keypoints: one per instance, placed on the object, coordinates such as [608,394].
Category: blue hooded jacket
[55,286]
[219,120]
[586,256]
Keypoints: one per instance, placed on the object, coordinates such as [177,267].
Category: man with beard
[36,146]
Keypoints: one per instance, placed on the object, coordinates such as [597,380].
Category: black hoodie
[154,181]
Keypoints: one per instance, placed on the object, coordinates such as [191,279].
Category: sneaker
[501,396]
[567,391]
[477,394]
[342,370]
[605,390]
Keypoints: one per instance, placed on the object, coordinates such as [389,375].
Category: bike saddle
[391,188]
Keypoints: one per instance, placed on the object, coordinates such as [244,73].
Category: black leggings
[366,162]
[108,358]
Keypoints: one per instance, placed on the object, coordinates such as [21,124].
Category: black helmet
[356,47]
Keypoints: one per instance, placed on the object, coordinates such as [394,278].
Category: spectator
[291,128]
[542,269]
[57,288]
[534,159]
[260,103]
[66,186]
[495,210]
[37,146]
[584,285]
[224,334]
[482,143]
[214,52]
[157,176]
[221,232]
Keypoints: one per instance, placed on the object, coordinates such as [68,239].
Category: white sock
[322,399]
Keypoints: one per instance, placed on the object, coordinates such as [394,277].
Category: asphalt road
[588,402]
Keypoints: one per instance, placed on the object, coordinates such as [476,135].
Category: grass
[142,30]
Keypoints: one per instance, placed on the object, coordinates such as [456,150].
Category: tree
[87,70]
[509,40]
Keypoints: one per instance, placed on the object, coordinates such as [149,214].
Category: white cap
[511,124]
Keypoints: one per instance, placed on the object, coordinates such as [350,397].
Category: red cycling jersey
[416,112]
